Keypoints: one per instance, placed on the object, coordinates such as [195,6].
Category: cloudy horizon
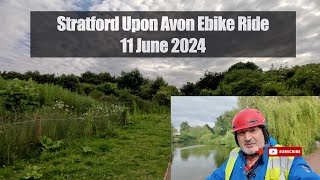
[199,110]
[15,36]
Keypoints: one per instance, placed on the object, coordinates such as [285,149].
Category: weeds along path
[314,160]
[140,150]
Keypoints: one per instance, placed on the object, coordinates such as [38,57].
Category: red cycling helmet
[248,118]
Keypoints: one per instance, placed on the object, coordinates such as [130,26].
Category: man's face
[250,139]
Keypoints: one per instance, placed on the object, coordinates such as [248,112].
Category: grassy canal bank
[140,150]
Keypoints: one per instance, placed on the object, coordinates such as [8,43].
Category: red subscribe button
[285,151]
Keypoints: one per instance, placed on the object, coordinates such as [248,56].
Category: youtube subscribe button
[285,151]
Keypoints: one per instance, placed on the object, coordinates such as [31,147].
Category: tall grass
[293,121]
[63,114]
[50,93]
[137,151]
[17,139]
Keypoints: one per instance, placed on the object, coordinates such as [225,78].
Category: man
[251,160]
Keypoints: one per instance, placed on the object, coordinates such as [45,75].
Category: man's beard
[251,151]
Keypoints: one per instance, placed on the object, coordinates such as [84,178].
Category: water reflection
[196,151]
[197,162]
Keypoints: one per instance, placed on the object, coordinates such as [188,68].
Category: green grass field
[140,150]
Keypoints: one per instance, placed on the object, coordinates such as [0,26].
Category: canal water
[197,162]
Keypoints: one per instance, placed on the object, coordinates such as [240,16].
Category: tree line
[191,135]
[240,79]
[129,85]
[244,79]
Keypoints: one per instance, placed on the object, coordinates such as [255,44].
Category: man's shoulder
[300,168]
[237,149]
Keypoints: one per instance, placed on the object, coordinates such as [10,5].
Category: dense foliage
[239,79]
[42,123]
[292,120]
[69,108]
[192,135]
[104,86]
[243,79]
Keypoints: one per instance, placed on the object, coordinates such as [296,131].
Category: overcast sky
[15,37]
[199,110]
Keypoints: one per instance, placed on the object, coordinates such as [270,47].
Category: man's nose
[247,136]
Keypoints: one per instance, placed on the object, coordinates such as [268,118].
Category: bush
[107,88]
[207,92]
[85,88]
[273,89]
[96,94]
[19,96]
[70,82]
[163,96]
[136,104]
[228,140]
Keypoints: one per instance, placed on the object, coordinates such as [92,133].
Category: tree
[273,89]
[145,91]
[106,77]
[131,80]
[247,65]
[108,88]
[210,80]
[90,78]
[210,129]
[184,126]
[150,88]
[163,96]
[11,75]
[85,88]
[70,82]
[189,89]
[306,78]
[223,122]
[93,78]
[41,78]
[241,82]
[157,84]
[207,92]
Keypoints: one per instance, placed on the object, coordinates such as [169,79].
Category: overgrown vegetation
[63,114]
[71,112]
[140,150]
[130,87]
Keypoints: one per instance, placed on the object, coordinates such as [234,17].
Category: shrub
[19,96]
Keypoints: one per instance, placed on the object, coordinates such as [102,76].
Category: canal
[197,162]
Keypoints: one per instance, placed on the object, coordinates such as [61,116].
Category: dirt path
[167,176]
[313,159]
